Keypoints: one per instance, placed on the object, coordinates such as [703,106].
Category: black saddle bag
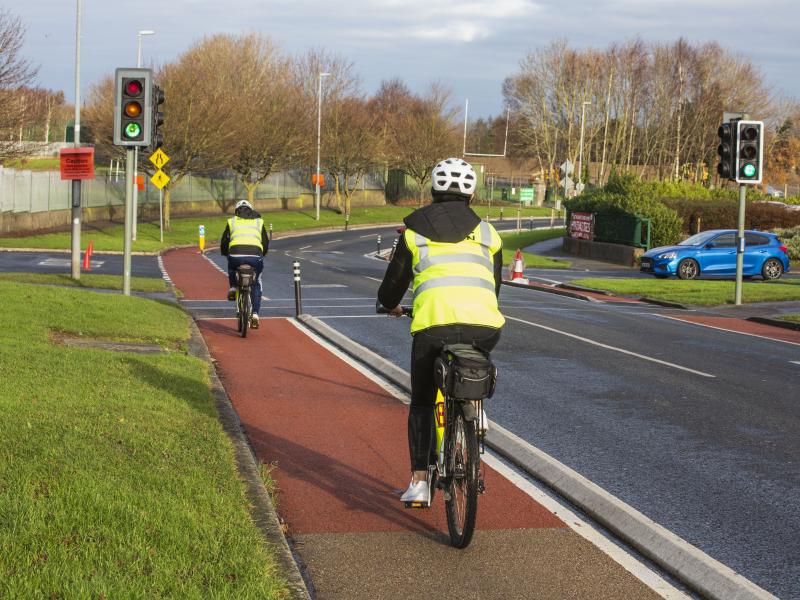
[465,372]
[245,275]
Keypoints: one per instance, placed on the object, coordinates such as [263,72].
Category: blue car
[713,253]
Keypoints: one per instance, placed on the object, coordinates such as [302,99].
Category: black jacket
[448,222]
[224,244]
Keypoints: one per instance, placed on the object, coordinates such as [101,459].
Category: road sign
[77,163]
[160,179]
[526,194]
[567,183]
[567,167]
[580,187]
[159,158]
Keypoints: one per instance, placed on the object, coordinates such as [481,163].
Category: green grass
[184,230]
[793,318]
[35,164]
[105,282]
[703,292]
[514,241]
[116,479]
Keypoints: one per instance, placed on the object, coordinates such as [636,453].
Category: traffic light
[156,138]
[727,150]
[749,151]
[133,108]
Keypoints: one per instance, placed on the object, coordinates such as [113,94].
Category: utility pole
[75,258]
[580,151]
[319,139]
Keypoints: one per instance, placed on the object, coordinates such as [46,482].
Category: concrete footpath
[337,440]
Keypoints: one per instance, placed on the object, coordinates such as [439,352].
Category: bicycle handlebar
[382,310]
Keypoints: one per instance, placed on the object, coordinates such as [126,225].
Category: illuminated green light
[133,130]
[749,170]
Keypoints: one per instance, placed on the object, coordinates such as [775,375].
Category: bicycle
[245,276]
[465,377]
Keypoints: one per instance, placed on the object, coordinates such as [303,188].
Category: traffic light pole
[75,254]
[740,244]
[129,185]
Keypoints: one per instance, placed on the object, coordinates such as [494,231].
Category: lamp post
[319,136]
[75,255]
[580,159]
[136,150]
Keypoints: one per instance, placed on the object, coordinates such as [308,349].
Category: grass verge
[116,478]
[792,318]
[184,230]
[702,292]
[104,282]
[513,241]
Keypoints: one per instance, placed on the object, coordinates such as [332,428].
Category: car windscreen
[698,239]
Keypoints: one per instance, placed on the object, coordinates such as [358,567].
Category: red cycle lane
[337,441]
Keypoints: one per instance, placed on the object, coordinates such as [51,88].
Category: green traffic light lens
[749,170]
[132,130]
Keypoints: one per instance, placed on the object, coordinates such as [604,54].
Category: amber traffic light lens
[133,87]
[133,109]
[749,134]
[749,152]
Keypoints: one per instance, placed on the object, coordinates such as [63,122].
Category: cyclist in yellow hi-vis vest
[245,242]
[455,262]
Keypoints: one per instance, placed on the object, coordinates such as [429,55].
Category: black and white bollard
[394,248]
[298,302]
[346,221]
[379,247]
[501,214]
[270,232]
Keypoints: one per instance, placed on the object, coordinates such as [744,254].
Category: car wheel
[688,269]
[772,269]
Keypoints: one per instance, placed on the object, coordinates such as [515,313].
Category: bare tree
[15,73]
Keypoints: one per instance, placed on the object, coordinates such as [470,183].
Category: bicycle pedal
[417,504]
[481,486]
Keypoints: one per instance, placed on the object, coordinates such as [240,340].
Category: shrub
[724,214]
[791,238]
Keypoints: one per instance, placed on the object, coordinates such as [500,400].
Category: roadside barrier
[298,302]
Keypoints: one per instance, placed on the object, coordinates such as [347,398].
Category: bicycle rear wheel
[463,459]
[244,312]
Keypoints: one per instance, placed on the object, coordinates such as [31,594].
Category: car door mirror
[709,245]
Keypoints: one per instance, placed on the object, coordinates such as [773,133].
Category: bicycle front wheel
[463,459]
[245,312]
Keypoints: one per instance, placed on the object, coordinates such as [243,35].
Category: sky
[470,46]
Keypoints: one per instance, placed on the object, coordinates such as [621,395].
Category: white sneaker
[254,321]
[417,492]
[232,293]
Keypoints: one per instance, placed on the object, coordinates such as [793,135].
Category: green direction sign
[526,194]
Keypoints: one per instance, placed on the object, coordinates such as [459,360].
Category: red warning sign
[77,163]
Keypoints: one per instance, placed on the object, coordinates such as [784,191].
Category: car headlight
[668,255]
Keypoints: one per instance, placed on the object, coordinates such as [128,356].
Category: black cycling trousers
[427,345]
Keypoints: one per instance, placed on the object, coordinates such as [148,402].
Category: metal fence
[23,191]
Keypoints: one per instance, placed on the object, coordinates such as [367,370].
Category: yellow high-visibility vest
[454,282]
[245,232]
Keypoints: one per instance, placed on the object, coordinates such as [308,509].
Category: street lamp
[580,159]
[139,36]
[319,135]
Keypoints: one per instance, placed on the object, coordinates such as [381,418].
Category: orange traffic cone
[90,249]
[518,268]
[86,260]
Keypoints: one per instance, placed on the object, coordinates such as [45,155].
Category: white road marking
[323,317]
[763,337]
[304,247]
[164,274]
[374,279]
[613,348]
[553,281]
[340,269]
[66,262]
[324,285]
[322,252]
[331,242]
[638,569]
[368,235]
[795,362]
[316,262]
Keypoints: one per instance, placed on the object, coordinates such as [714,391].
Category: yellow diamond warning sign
[159,158]
[160,179]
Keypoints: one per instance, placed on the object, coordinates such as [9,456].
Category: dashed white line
[368,235]
[612,348]
[795,362]
[304,247]
[316,262]
[331,242]
[374,279]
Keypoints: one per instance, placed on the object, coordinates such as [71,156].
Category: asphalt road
[59,262]
[695,427]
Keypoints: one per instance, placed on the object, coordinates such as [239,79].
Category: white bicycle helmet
[242,203]
[454,175]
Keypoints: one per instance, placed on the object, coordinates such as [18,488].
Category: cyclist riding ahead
[245,242]
[455,261]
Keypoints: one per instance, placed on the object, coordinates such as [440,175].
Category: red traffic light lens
[133,87]
[133,109]
[749,133]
